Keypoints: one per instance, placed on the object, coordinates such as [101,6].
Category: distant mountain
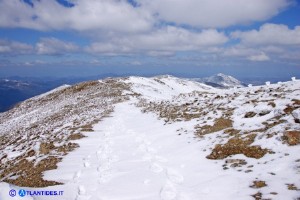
[14,91]
[220,81]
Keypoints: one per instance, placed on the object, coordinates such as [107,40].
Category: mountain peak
[221,74]
[221,80]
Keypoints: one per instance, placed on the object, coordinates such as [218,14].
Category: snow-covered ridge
[221,81]
[249,137]
[164,87]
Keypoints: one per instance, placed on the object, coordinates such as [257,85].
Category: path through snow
[134,156]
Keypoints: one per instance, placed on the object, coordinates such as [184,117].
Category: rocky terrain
[199,141]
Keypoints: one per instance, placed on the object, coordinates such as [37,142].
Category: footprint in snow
[77,175]
[156,168]
[104,177]
[98,153]
[87,164]
[150,150]
[174,176]
[168,192]
[82,193]
[139,139]
[161,159]
[114,158]
[147,157]
[146,182]
[80,197]
[81,190]
[142,147]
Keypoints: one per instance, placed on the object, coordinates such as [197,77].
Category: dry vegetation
[215,114]
[222,119]
[43,128]
[258,184]
[219,124]
[238,145]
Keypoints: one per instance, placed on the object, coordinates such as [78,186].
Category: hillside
[154,138]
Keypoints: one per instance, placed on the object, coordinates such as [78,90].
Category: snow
[296,114]
[133,155]
[221,80]
[164,87]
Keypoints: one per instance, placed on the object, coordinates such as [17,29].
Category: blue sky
[243,38]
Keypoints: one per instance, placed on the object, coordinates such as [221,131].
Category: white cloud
[121,16]
[293,56]
[53,46]
[248,53]
[86,15]
[13,47]
[214,13]
[167,39]
[135,63]
[259,57]
[239,51]
[270,34]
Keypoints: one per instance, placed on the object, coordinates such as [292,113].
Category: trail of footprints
[105,159]
[169,191]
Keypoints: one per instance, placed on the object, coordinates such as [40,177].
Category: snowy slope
[221,81]
[154,138]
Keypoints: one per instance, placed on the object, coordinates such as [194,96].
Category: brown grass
[231,131]
[290,108]
[76,136]
[258,184]
[291,137]
[30,175]
[220,124]
[296,101]
[238,145]
[25,173]
[292,187]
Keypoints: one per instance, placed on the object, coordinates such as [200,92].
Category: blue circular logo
[12,193]
[22,193]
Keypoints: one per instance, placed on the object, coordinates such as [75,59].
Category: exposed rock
[257,196]
[264,112]
[249,114]
[236,162]
[258,184]
[292,187]
[292,137]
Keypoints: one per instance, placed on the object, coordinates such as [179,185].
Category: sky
[189,38]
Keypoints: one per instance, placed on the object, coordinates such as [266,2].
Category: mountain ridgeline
[175,131]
